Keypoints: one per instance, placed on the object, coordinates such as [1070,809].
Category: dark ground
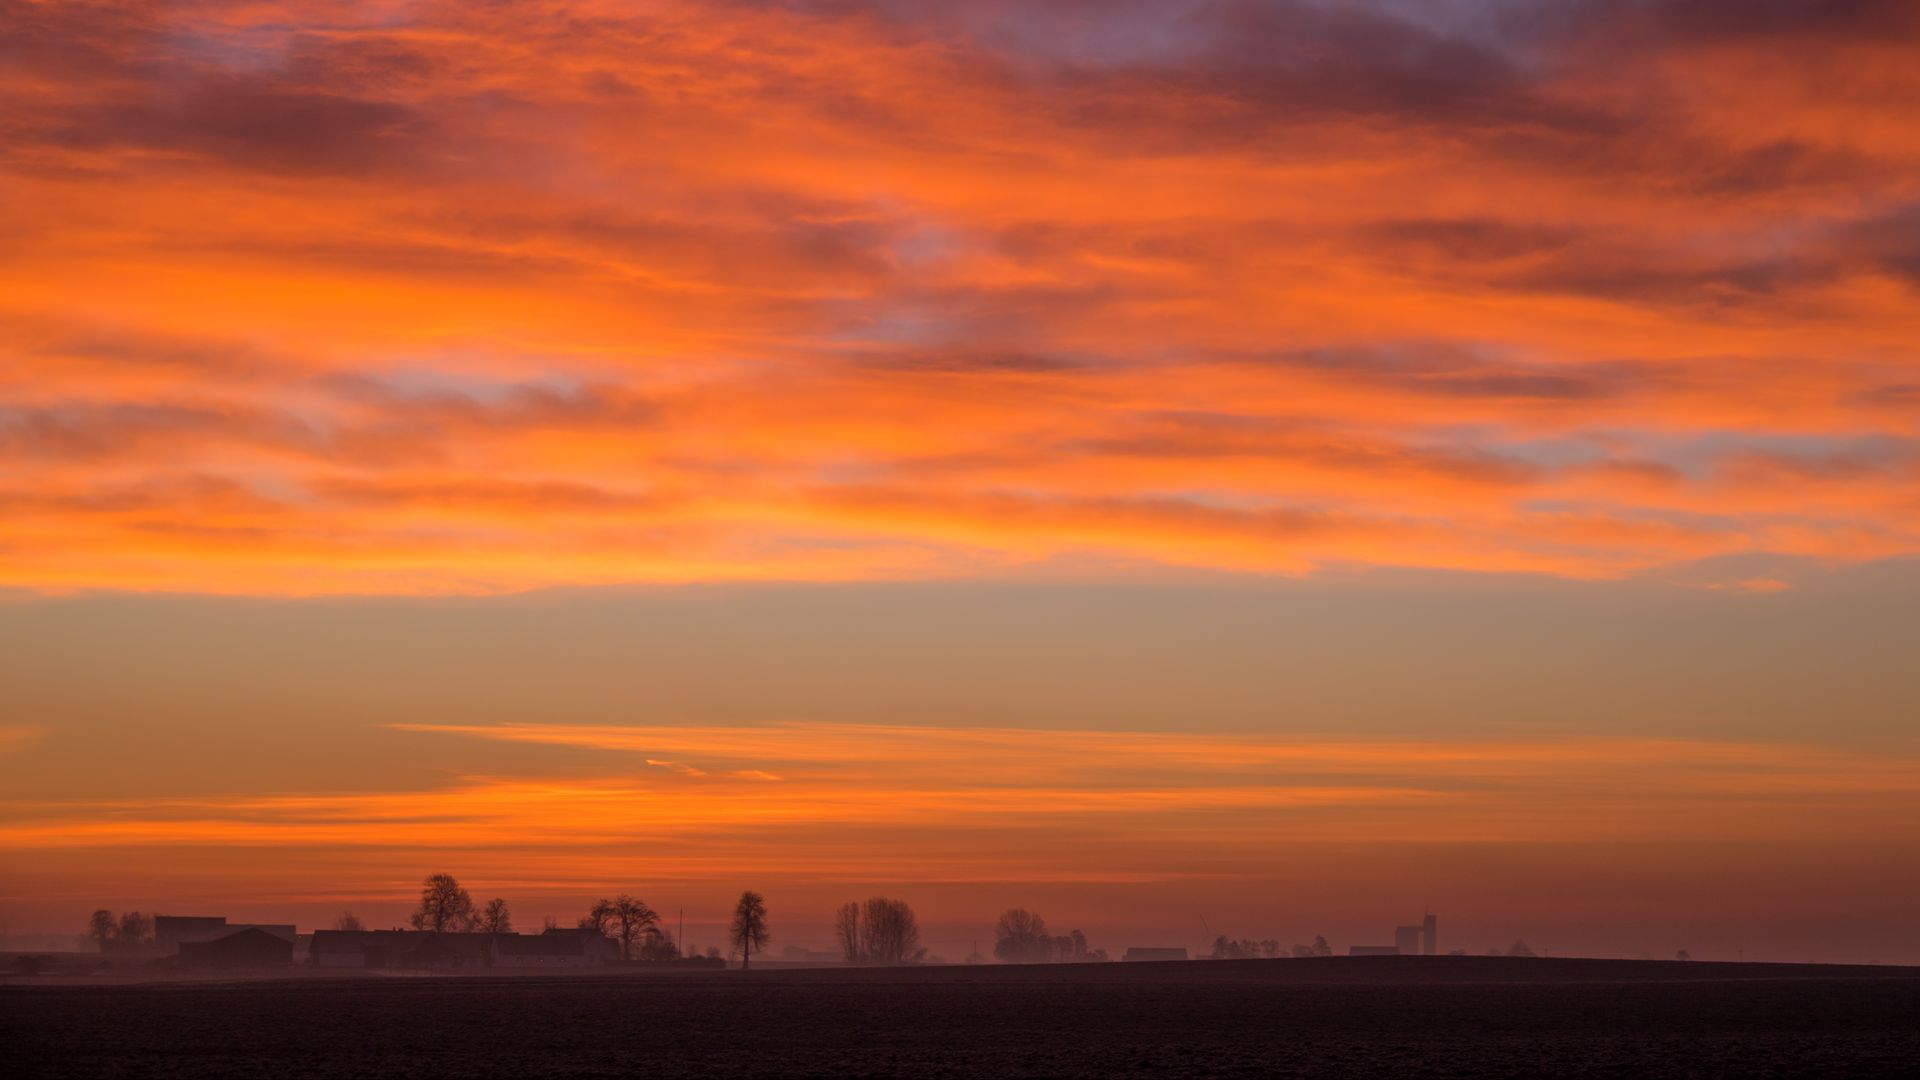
[1371,1017]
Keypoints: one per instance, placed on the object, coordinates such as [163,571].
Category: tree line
[130,932]
[1225,948]
[1021,937]
[446,907]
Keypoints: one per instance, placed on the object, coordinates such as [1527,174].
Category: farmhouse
[553,949]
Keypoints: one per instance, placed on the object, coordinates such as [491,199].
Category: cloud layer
[425,297]
[813,801]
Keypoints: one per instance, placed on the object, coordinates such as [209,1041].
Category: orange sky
[320,303]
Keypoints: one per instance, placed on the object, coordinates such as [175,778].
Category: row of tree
[1021,937]
[130,932]
[445,907]
[881,931]
[628,920]
[1225,948]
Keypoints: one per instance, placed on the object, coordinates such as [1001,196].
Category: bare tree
[631,918]
[846,931]
[1519,948]
[495,918]
[347,921]
[444,906]
[1318,948]
[101,927]
[1682,954]
[135,931]
[749,926]
[598,918]
[656,945]
[888,933]
[1224,948]
[1020,937]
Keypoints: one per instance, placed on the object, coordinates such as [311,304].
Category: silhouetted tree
[135,931]
[347,921]
[101,926]
[1318,948]
[598,918]
[1244,949]
[888,933]
[1269,948]
[750,925]
[846,931]
[549,923]
[657,945]
[444,906]
[1020,937]
[631,918]
[1519,948]
[495,918]
[1683,955]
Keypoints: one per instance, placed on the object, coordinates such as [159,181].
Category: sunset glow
[1592,326]
[458,298]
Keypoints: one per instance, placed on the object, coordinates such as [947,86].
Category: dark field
[1412,1016]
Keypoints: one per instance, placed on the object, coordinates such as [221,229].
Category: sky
[1185,466]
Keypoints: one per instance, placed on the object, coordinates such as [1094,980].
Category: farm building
[422,949]
[555,948]
[246,947]
[170,932]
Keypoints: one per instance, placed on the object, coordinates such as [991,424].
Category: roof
[246,940]
[543,945]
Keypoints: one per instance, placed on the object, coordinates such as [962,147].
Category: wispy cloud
[853,799]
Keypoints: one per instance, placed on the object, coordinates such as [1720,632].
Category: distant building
[172,931]
[556,948]
[1373,950]
[427,950]
[247,947]
[1407,940]
[1430,935]
[1154,953]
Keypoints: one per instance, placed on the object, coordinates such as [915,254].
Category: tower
[1429,931]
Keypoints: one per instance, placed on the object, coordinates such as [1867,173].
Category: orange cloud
[807,791]
[458,299]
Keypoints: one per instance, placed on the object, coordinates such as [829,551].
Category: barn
[249,947]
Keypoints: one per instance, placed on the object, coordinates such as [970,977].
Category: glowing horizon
[1359,447]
